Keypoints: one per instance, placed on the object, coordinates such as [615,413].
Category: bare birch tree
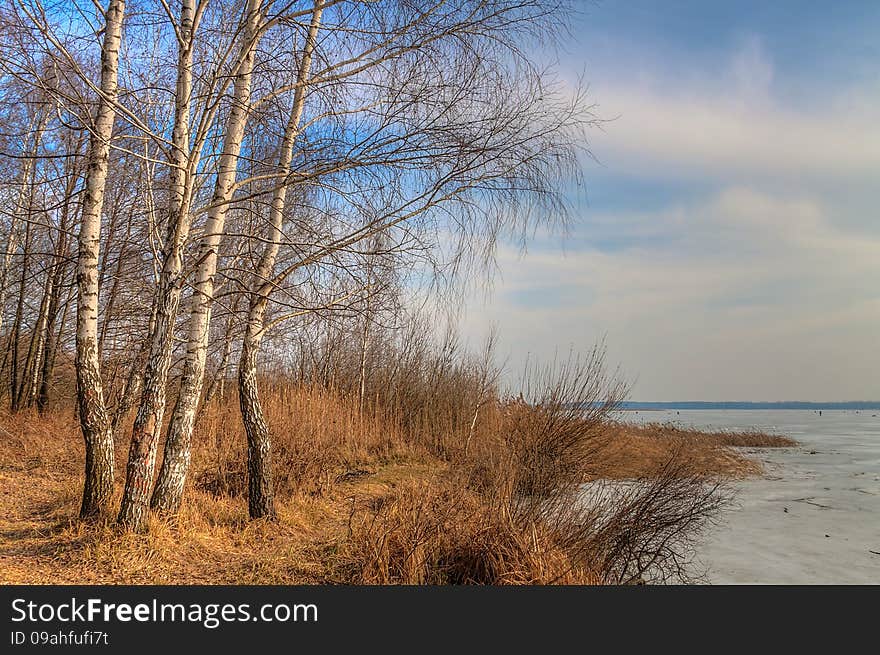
[93,417]
[477,151]
[261,501]
[282,160]
[169,486]
[148,423]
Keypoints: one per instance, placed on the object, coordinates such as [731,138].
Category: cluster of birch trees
[185,179]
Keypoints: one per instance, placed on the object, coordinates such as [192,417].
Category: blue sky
[727,245]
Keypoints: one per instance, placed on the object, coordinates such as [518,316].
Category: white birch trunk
[261,497]
[169,486]
[148,422]
[38,341]
[93,418]
[23,206]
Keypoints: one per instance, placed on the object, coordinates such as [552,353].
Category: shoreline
[213,542]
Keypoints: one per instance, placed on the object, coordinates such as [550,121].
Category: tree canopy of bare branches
[194,182]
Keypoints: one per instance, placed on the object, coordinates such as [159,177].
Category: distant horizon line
[746,404]
[762,402]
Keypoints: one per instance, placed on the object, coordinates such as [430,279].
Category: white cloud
[751,70]
[707,136]
[759,281]
[730,124]
[752,290]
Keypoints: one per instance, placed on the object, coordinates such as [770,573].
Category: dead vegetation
[707,453]
[530,491]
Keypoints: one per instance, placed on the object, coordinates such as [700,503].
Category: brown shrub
[318,435]
[442,533]
[515,509]
[647,530]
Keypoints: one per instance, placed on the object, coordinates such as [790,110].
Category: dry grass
[320,436]
[382,497]
[737,439]
[211,541]
[630,449]
[441,532]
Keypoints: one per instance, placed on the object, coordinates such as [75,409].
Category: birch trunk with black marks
[57,276]
[21,206]
[9,250]
[53,337]
[24,210]
[362,382]
[148,422]
[175,462]
[34,363]
[93,418]
[59,307]
[15,364]
[218,383]
[261,496]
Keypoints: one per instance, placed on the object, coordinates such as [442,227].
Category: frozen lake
[814,518]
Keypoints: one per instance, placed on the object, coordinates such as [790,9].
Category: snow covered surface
[814,518]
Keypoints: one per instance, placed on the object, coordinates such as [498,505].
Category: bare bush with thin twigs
[517,511]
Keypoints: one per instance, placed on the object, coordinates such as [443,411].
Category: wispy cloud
[769,280]
[754,277]
[730,123]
